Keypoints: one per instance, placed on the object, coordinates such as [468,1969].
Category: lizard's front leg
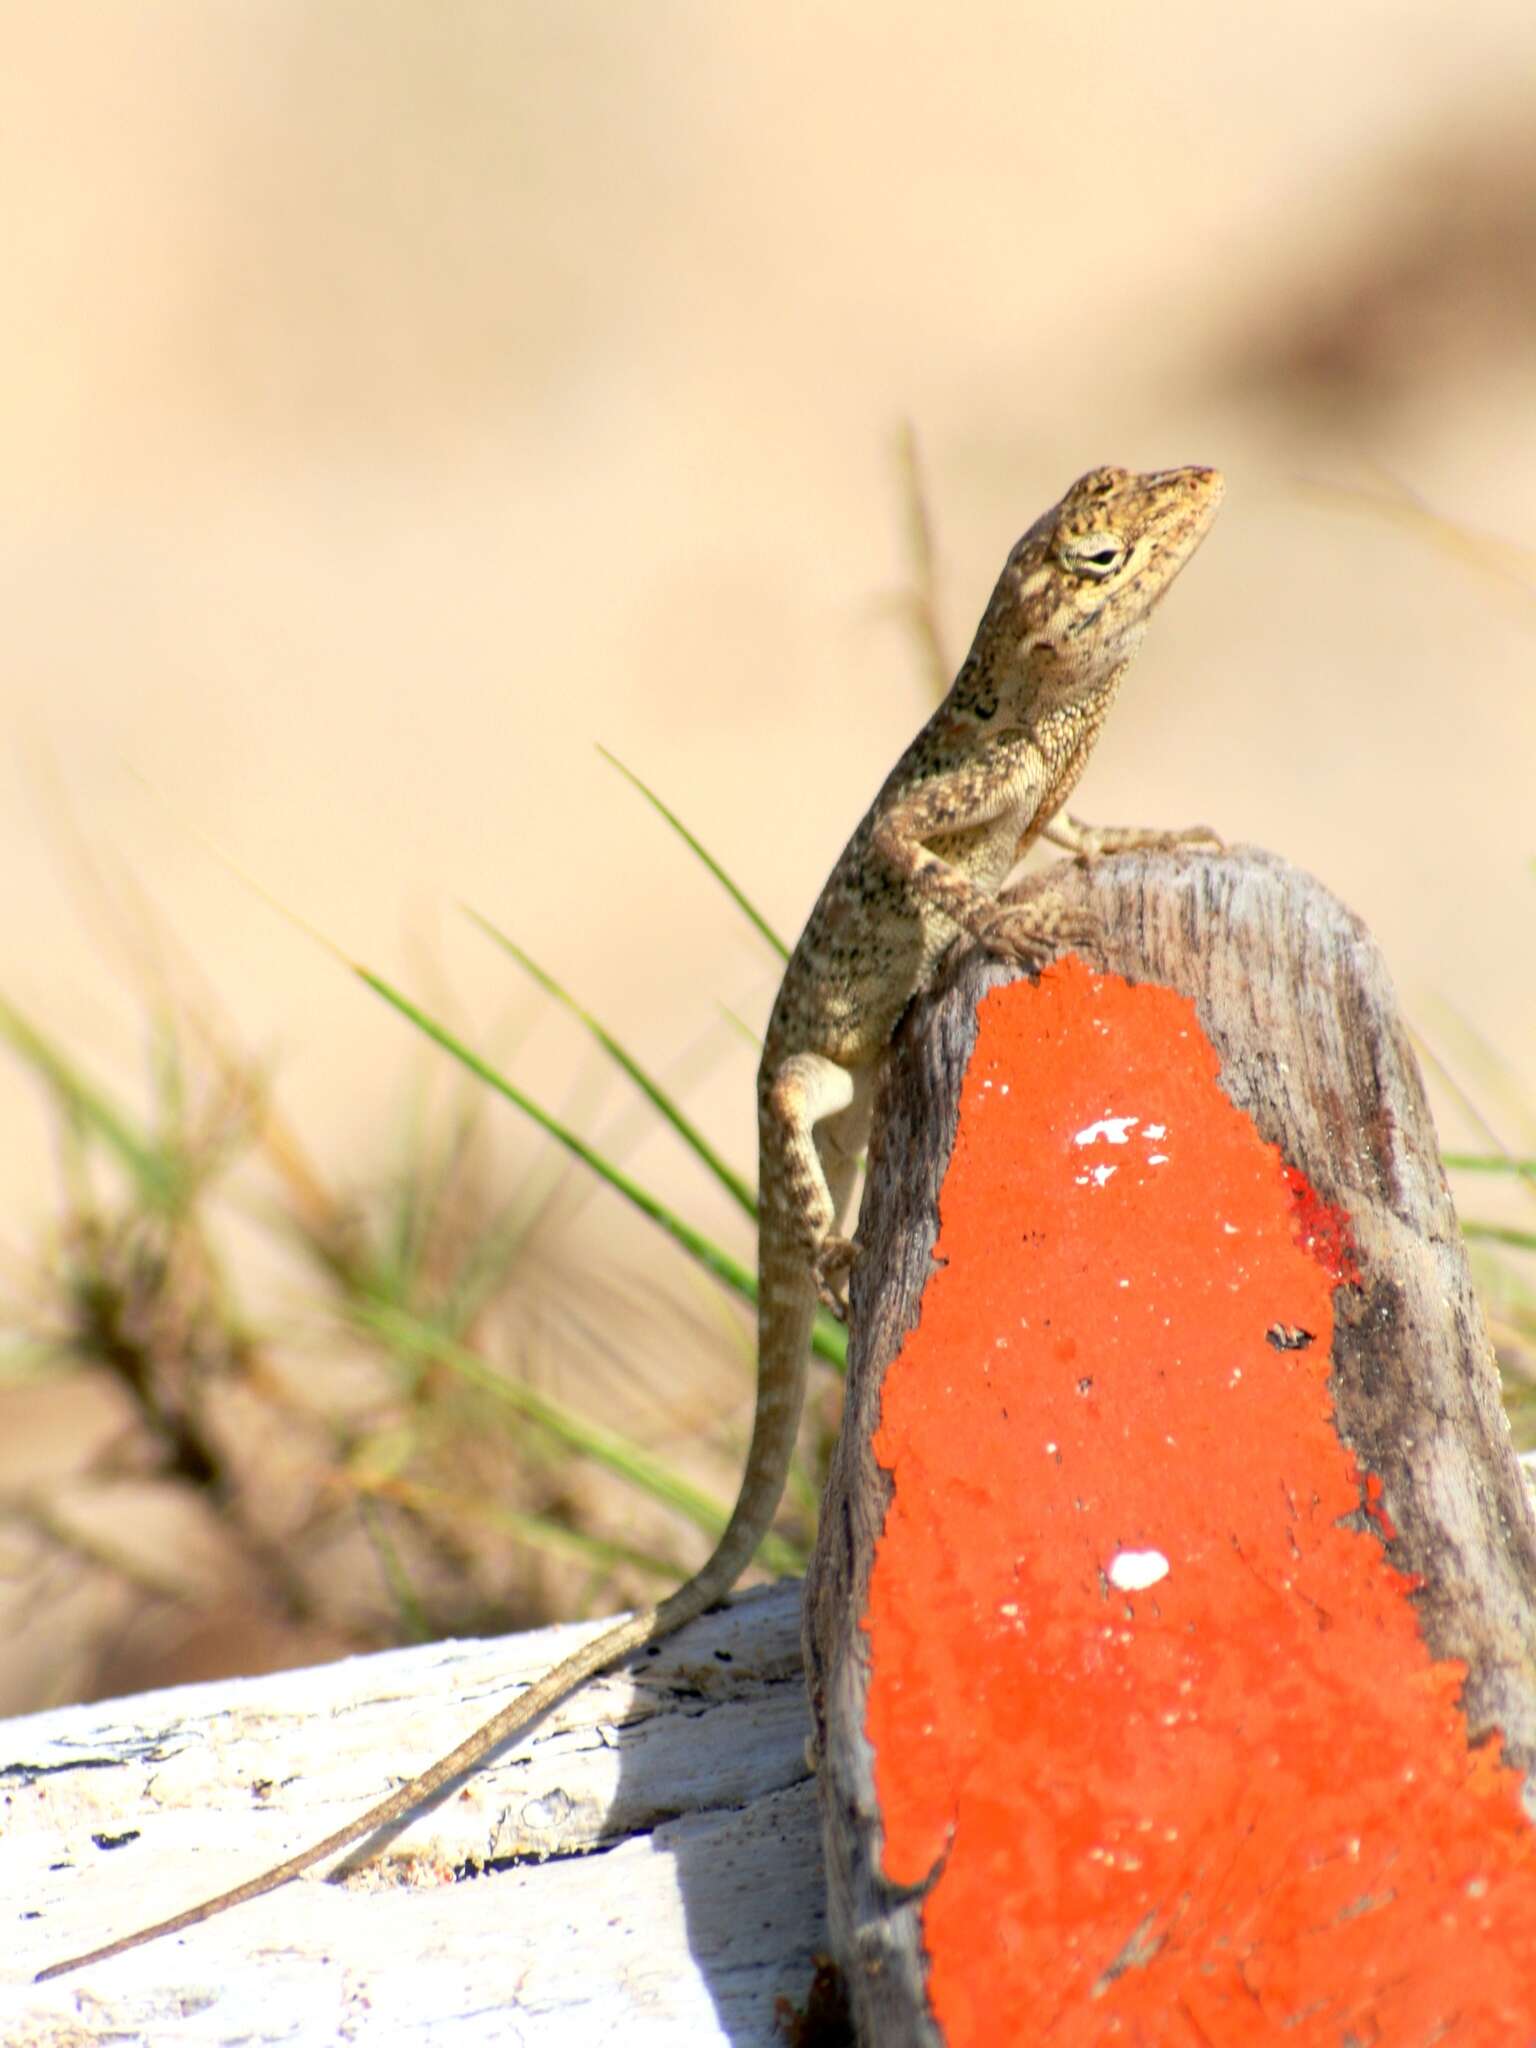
[812,1121]
[1003,788]
[1089,841]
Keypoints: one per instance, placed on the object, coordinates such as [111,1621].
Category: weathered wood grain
[1293,993]
[645,1868]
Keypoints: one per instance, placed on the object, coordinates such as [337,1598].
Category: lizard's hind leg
[814,1121]
[840,1143]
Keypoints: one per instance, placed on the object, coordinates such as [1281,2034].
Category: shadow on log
[1170,1627]
[643,1867]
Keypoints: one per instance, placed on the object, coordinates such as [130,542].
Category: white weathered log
[667,1885]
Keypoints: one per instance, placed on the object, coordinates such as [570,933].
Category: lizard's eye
[1095,555]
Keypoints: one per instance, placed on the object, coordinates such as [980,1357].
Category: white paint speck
[1109,1130]
[1154,1130]
[1132,1571]
[1157,1159]
[1100,1174]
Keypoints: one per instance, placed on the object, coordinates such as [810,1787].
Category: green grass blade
[538,1532]
[1500,1233]
[737,895]
[1486,1162]
[709,1255]
[158,1177]
[606,1447]
[412,1615]
[652,1089]
[828,1342]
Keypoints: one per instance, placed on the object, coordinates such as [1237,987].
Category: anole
[988,775]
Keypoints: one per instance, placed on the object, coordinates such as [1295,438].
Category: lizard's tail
[786,1312]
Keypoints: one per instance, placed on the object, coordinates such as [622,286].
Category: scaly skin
[987,775]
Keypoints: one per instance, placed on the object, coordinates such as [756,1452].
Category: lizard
[988,774]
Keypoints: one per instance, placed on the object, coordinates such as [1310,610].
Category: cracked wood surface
[648,1858]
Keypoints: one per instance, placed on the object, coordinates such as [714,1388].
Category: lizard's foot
[830,1268]
[1032,934]
[1191,835]
[1091,842]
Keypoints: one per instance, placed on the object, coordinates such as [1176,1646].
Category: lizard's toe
[1032,934]
[833,1262]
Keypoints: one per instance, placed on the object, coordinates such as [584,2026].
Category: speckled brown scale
[987,775]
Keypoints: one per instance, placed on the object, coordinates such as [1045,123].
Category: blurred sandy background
[396,400]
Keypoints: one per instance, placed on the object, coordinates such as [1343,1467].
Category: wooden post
[1171,1627]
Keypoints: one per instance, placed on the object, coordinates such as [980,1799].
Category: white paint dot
[1109,1130]
[1132,1571]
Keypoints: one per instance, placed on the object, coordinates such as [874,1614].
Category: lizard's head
[1085,578]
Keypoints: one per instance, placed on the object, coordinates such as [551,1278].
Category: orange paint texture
[1166,1722]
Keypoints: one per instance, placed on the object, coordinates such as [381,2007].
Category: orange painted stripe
[1168,1725]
